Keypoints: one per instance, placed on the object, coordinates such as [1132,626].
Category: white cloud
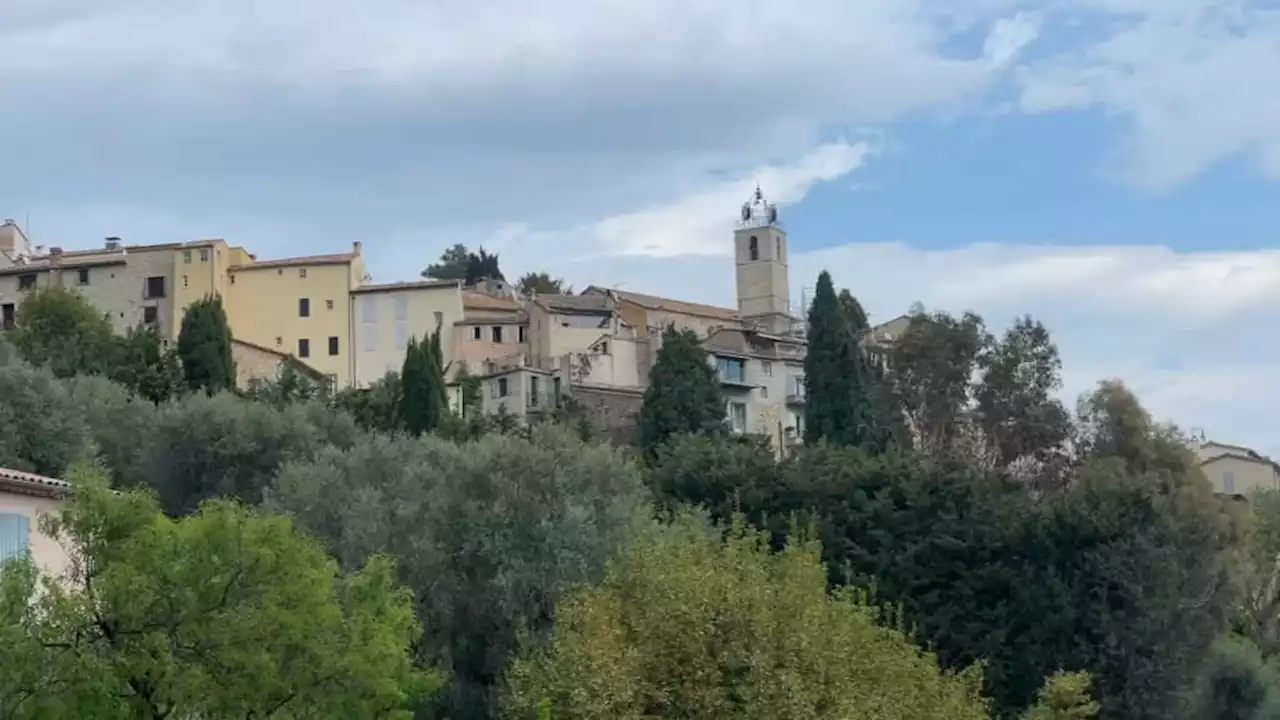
[1190,77]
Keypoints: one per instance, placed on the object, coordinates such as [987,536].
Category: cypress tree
[423,399]
[839,395]
[204,347]
[683,394]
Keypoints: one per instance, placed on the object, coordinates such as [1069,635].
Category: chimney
[113,243]
[357,247]
[55,251]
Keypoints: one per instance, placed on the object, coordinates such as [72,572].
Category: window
[328,304]
[402,335]
[184,281]
[369,309]
[82,276]
[493,389]
[796,385]
[333,344]
[304,347]
[9,312]
[497,333]
[439,318]
[738,417]
[402,307]
[502,387]
[604,347]
[15,535]
[730,369]
[155,287]
[1229,482]
[370,340]
[766,368]
[777,246]
[233,279]
[304,307]
[534,400]
[522,334]
[302,273]
[753,248]
[204,254]
[764,392]
[186,257]
[279,341]
[150,315]
[26,282]
[476,332]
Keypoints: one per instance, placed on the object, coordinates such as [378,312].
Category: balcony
[796,397]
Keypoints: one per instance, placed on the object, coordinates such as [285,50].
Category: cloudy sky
[1109,166]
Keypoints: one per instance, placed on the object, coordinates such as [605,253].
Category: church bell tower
[760,252]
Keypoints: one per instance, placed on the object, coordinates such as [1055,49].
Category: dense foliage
[840,396]
[424,400]
[221,614]
[459,263]
[487,533]
[204,347]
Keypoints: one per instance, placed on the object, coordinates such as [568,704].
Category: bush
[42,430]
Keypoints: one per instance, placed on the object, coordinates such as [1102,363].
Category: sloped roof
[653,302]
[480,301]
[413,285]
[333,259]
[24,483]
[575,303]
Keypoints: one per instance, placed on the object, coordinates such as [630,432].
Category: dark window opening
[82,276]
[26,282]
[155,287]
[754,248]
[9,313]
[333,345]
[150,315]
[304,307]
[497,333]
[502,387]
[304,347]
[523,334]
[476,332]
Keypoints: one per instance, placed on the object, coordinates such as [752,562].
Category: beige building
[492,328]
[258,363]
[24,499]
[385,316]
[1234,470]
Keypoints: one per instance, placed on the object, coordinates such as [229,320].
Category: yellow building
[300,306]
[384,317]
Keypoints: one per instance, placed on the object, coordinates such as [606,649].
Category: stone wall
[613,411]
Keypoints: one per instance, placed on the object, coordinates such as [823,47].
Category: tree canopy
[221,614]
[59,329]
[541,283]
[204,346]
[459,263]
[684,393]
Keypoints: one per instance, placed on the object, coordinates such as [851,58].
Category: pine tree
[683,395]
[423,399]
[204,347]
[839,401]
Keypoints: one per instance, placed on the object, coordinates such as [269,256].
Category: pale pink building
[24,499]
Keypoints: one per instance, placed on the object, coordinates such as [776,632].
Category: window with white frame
[738,417]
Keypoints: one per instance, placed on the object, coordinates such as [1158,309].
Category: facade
[298,306]
[493,328]
[24,499]
[257,363]
[1236,471]
[385,316]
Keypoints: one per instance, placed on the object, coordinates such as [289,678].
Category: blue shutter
[15,534]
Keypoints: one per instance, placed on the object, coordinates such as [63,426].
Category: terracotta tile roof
[480,301]
[654,302]
[31,484]
[335,259]
[419,284]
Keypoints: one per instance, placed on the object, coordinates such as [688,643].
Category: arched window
[754,248]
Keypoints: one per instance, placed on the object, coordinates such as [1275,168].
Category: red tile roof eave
[24,483]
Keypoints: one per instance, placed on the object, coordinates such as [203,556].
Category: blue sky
[1110,166]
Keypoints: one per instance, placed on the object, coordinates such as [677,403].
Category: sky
[1111,167]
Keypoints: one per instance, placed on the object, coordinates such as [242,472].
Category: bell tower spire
[760,254]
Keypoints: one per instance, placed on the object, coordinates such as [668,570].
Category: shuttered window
[15,535]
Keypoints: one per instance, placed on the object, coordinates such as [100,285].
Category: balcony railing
[796,397]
